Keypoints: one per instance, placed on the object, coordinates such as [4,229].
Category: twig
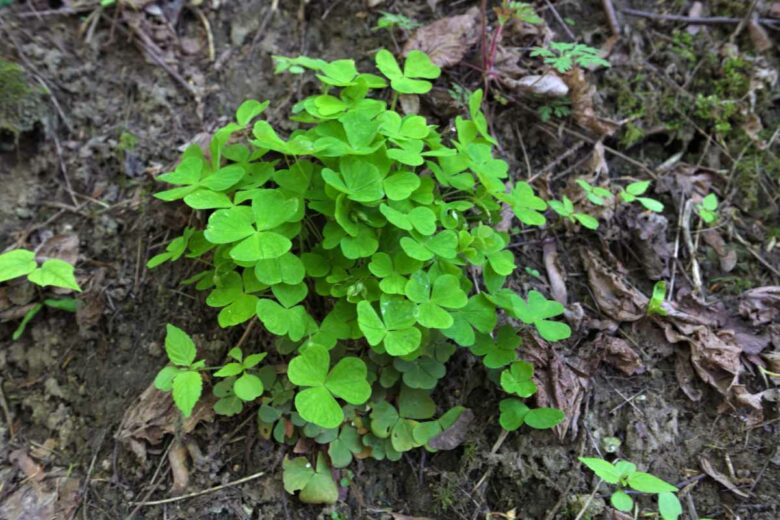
[743,22]
[6,410]
[609,9]
[695,20]
[560,20]
[588,501]
[153,485]
[56,12]
[755,254]
[499,441]
[199,493]
[686,230]
[261,30]
[209,35]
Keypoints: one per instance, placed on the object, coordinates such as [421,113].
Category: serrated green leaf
[179,346]
[187,388]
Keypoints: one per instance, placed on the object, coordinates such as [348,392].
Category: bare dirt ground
[104,117]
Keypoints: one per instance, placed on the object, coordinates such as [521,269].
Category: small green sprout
[182,378]
[656,303]
[563,56]
[708,208]
[633,192]
[556,108]
[565,209]
[51,272]
[595,194]
[624,475]
[392,20]
[522,11]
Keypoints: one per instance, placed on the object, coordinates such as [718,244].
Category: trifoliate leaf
[512,414]
[347,380]
[517,379]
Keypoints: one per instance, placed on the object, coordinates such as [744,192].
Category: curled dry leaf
[547,85]
[760,305]
[726,255]
[558,385]
[720,478]
[448,40]
[618,353]
[649,241]
[554,272]
[177,457]
[40,495]
[453,436]
[63,247]
[758,35]
[582,94]
[612,292]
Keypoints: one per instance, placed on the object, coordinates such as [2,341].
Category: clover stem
[394,100]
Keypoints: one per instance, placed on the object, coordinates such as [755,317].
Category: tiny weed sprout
[633,192]
[52,272]
[565,208]
[392,20]
[656,303]
[352,241]
[564,56]
[519,11]
[556,108]
[708,209]
[595,194]
[624,476]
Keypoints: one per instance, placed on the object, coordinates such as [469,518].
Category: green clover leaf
[346,380]
[394,330]
[417,65]
[433,299]
[517,379]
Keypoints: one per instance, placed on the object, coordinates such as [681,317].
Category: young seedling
[183,377]
[563,56]
[51,273]
[565,209]
[708,209]
[595,194]
[392,20]
[555,108]
[656,303]
[633,192]
[624,476]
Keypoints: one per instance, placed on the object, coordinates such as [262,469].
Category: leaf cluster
[351,240]
[563,56]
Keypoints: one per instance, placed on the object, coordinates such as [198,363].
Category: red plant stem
[492,57]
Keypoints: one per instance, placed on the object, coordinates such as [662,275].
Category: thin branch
[697,20]
[199,493]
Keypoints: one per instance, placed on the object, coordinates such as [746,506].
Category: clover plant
[353,241]
[52,272]
[625,476]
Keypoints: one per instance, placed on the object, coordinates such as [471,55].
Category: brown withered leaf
[558,385]
[63,247]
[177,458]
[760,305]
[686,378]
[720,478]
[554,272]
[453,436]
[726,255]
[649,240]
[618,353]
[153,415]
[613,294]
[758,35]
[448,40]
[582,94]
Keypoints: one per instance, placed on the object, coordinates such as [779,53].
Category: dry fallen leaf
[453,436]
[548,85]
[726,255]
[760,305]
[154,415]
[720,478]
[758,35]
[612,292]
[448,40]
[63,247]
[554,272]
[582,94]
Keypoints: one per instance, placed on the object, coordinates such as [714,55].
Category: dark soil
[112,119]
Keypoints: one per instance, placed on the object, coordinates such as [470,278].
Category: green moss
[20,104]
